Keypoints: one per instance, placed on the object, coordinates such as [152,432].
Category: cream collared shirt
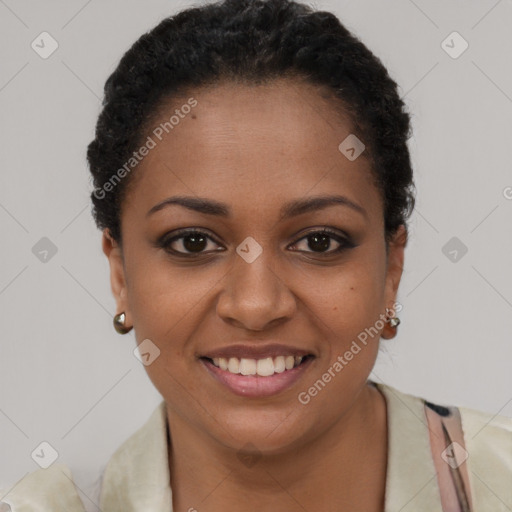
[136,478]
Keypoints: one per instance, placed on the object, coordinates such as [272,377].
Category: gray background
[66,377]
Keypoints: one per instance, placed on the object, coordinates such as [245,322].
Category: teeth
[265,367]
[279,364]
[233,365]
[262,367]
[247,366]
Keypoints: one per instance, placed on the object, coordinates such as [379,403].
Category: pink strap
[449,454]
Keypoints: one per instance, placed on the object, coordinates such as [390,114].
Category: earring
[393,322]
[119,321]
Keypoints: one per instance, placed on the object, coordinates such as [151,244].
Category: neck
[334,471]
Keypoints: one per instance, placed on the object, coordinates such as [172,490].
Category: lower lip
[255,385]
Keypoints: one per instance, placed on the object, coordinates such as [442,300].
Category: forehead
[252,145]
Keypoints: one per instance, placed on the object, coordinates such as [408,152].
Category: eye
[321,240]
[190,242]
[187,242]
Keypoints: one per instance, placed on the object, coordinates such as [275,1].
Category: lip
[254,385]
[256,351]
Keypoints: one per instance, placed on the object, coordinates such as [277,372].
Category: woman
[253,184]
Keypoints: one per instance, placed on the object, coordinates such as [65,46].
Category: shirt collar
[137,475]
[411,479]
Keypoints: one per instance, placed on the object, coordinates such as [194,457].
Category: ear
[395,265]
[117,274]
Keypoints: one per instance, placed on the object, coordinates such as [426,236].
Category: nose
[255,296]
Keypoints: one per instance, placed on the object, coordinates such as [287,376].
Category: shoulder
[491,429]
[480,428]
[58,488]
[150,435]
[488,437]
[50,489]
[487,440]
[136,476]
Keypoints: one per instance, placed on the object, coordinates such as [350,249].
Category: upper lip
[248,351]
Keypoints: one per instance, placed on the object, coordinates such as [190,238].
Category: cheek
[347,306]
[162,295]
[168,305]
[350,296]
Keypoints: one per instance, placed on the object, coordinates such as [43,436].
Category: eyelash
[165,242]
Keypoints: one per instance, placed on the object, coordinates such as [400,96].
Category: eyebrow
[291,209]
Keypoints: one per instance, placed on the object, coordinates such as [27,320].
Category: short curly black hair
[251,41]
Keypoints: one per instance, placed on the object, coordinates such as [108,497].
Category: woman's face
[259,273]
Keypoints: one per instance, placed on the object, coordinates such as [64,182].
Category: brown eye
[321,241]
[188,242]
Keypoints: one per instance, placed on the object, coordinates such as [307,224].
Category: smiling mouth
[265,367]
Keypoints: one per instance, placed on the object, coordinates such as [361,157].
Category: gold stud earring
[119,325]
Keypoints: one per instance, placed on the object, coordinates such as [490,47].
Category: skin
[256,148]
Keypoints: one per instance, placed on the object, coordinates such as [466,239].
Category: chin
[270,435]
